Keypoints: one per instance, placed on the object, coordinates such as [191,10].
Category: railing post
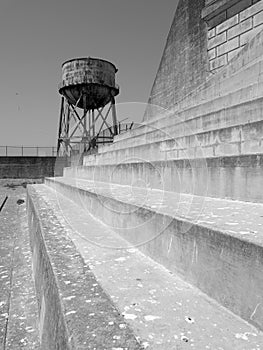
[6,151]
[22,150]
[37,151]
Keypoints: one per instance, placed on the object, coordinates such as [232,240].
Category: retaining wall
[29,167]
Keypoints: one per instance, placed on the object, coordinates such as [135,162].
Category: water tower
[88,92]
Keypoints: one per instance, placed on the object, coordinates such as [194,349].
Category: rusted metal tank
[88,83]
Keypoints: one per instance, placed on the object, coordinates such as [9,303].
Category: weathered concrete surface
[236,177]
[221,123]
[238,24]
[215,7]
[216,11]
[26,167]
[17,185]
[214,244]
[218,142]
[30,167]
[163,310]
[75,312]
[183,66]
[242,112]
[184,71]
[18,305]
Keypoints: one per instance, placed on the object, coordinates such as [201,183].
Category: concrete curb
[64,285]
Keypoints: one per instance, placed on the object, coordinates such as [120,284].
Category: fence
[26,151]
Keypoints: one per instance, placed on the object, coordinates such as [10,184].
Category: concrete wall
[218,11]
[227,39]
[204,37]
[184,62]
[29,167]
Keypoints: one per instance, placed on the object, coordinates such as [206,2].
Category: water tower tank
[88,82]
[88,92]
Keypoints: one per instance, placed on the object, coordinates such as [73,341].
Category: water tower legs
[77,127]
[114,116]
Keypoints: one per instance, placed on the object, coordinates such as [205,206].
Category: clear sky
[36,36]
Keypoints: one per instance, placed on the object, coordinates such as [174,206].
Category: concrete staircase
[155,305]
[166,223]
[210,143]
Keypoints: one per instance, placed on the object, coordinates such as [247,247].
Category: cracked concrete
[76,312]
[18,305]
[164,311]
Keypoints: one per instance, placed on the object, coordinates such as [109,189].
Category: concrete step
[18,303]
[243,94]
[231,131]
[213,244]
[164,311]
[211,116]
[236,177]
[168,159]
[241,87]
[238,83]
[229,141]
[75,312]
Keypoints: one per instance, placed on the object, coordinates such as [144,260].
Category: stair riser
[220,265]
[239,178]
[233,141]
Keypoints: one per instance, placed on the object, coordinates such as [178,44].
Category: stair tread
[242,220]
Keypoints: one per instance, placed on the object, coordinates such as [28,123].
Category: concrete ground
[18,304]
[19,319]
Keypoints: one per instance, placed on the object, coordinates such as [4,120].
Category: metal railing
[27,151]
[106,135]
